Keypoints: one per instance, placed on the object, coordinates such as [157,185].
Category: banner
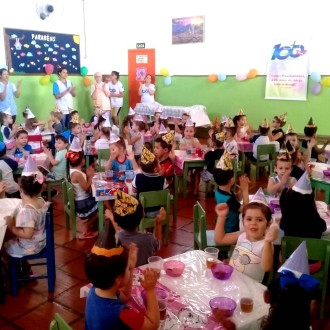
[287,73]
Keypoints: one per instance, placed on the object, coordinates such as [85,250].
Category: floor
[34,307]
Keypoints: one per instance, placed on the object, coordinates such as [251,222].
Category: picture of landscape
[187,30]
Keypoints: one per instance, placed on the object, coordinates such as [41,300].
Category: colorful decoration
[316,89]
[147,156]
[125,204]
[83,71]
[241,76]
[252,73]
[315,76]
[224,162]
[222,77]
[164,72]
[44,80]
[49,68]
[168,81]
[325,81]
[87,81]
[212,78]
[169,137]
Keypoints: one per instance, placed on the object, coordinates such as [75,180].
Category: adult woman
[100,94]
[147,90]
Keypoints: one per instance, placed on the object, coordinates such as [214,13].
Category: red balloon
[49,68]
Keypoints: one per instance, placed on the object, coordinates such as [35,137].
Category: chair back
[58,323]
[102,156]
[155,198]
[200,240]
[266,149]
[69,206]
[36,143]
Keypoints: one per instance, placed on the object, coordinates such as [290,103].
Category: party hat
[162,129]
[241,112]
[229,123]
[163,116]
[223,119]
[264,123]
[283,117]
[283,153]
[216,122]
[138,118]
[57,108]
[107,123]
[169,137]
[106,244]
[290,129]
[259,197]
[75,145]
[75,119]
[125,204]
[7,112]
[29,113]
[30,167]
[189,123]
[131,112]
[290,149]
[37,131]
[220,136]
[303,185]
[147,156]
[113,138]
[310,123]
[224,162]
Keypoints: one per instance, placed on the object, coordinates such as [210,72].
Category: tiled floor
[34,307]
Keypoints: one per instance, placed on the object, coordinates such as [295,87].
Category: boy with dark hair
[110,269]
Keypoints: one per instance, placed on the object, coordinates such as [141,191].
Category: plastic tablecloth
[181,156]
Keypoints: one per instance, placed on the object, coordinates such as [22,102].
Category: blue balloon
[222,77]
[315,76]
[168,81]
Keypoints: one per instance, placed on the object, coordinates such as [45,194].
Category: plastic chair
[50,185]
[156,198]
[262,150]
[317,249]
[102,155]
[203,237]
[37,141]
[69,207]
[58,323]
[47,253]
[174,198]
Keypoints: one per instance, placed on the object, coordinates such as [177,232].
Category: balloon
[44,80]
[315,76]
[252,73]
[83,71]
[241,76]
[53,77]
[325,81]
[49,68]
[164,72]
[11,70]
[168,81]
[222,77]
[316,89]
[212,78]
[87,82]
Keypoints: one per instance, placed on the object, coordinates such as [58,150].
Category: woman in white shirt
[147,90]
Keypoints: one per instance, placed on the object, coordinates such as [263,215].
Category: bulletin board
[27,52]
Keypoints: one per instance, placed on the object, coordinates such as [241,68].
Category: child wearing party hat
[55,124]
[103,141]
[254,250]
[230,143]
[243,129]
[277,133]
[8,129]
[109,268]
[32,124]
[136,136]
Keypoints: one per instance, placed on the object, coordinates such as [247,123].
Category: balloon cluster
[49,76]
[86,80]
[165,73]
[240,77]
[319,82]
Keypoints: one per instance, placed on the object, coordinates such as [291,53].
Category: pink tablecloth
[181,156]
[245,146]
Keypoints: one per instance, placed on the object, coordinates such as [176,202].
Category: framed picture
[187,30]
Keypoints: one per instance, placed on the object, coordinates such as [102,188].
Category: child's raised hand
[244,182]
[46,151]
[285,178]
[149,280]
[272,233]
[132,255]
[222,210]
[90,171]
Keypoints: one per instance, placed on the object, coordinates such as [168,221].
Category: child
[253,254]
[85,204]
[283,179]
[29,224]
[7,166]
[75,131]
[22,148]
[299,213]
[224,177]
[127,123]
[262,139]
[103,141]
[217,140]
[94,119]
[243,129]
[127,214]
[230,143]
[32,124]
[58,171]
[155,124]
[179,126]
[8,134]
[277,134]
[136,136]
[55,124]
[110,269]
[310,132]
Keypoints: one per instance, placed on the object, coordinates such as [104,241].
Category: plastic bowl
[273,204]
[160,293]
[174,268]
[326,173]
[222,271]
[226,305]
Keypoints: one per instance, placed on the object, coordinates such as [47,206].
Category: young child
[85,204]
[29,224]
[8,133]
[127,123]
[230,143]
[179,126]
[94,119]
[55,124]
[103,141]
[155,124]
[110,269]
[243,129]
[136,136]
[283,179]
[7,166]
[32,124]
[253,253]
[21,148]
[127,214]
[277,133]
[224,177]
[217,140]
[58,170]
[75,131]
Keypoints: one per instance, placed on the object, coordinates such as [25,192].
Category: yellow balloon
[325,81]
[44,80]
[11,70]
[164,72]
[76,39]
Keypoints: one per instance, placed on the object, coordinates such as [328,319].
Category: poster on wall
[287,72]
[27,52]
[187,30]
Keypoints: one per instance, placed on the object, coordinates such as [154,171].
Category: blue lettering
[283,52]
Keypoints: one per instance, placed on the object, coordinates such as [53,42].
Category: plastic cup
[129,176]
[246,304]
[162,304]
[156,263]
[211,256]
[109,175]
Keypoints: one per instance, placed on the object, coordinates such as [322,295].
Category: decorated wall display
[36,52]
[187,30]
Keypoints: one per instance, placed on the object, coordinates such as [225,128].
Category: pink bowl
[222,271]
[226,305]
[160,293]
[273,204]
[174,268]
[326,173]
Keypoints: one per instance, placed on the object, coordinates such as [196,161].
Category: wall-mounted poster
[29,51]
[187,30]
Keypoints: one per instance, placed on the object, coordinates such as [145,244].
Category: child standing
[230,143]
[253,253]
[136,136]
[85,204]
[8,134]
[277,134]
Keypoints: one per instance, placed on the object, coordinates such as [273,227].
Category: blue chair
[47,253]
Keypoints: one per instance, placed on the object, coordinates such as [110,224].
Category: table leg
[87,160]
[185,177]
[101,215]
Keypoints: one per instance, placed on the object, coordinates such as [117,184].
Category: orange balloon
[87,81]
[212,78]
[252,73]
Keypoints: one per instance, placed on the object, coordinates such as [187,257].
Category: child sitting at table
[85,204]
[8,133]
[32,125]
[283,179]
[179,125]
[253,253]
[243,129]
[74,131]
[277,133]
[21,148]
[230,143]
[110,269]
[155,123]
[7,167]
[135,138]
[55,124]
[127,214]
[127,123]
[103,141]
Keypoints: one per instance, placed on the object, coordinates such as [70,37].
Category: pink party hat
[107,123]
[30,167]
[190,123]
[303,185]
[113,138]
[75,145]
[259,197]
[138,118]
[297,263]
[131,112]
[162,129]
